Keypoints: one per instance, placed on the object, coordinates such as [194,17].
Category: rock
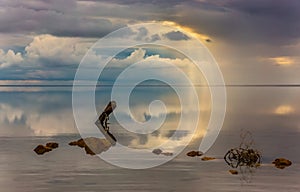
[194,153]
[282,163]
[207,158]
[79,143]
[167,154]
[52,145]
[157,151]
[233,172]
[96,145]
[41,149]
[92,145]
[160,152]
[73,143]
[208,40]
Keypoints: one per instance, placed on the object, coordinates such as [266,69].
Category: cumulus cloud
[9,58]
[45,57]
[59,50]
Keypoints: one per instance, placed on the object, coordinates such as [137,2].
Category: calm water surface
[29,117]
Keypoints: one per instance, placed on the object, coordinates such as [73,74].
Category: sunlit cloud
[284,110]
[282,60]
[188,30]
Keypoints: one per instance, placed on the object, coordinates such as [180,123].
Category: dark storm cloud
[266,22]
[276,19]
[47,5]
[176,36]
[51,17]
[132,2]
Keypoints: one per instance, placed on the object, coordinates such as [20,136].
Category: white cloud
[135,56]
[9,58]
[60,49]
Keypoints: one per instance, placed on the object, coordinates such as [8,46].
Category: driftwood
[104,117]
[243,155]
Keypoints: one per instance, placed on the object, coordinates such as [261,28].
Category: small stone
[52,145]
[157,151]
[167,154]
[207,158]
[41,149]
[282,163]
[194,153]
[79,143]
[233,172]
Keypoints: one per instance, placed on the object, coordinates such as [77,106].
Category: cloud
[242,32]
[235,20]
[45,57]
[51,17]
[265,22]
[154,38]
[59,50]
[9,58]
[176,36]
[282,60]
[143,32]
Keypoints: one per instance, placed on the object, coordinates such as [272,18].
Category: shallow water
[70,169]
[271,114]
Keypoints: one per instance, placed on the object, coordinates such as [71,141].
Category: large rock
[194,153]
[92,145]
[41,149]
[282,163]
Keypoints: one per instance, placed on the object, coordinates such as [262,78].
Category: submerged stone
[233,172]
[52,145]
[194,153]
[41,149]
[282,163]
[157,151]
[207,158]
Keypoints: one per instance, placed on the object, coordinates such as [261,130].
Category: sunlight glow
[187,29]
[282,60]
[284,110]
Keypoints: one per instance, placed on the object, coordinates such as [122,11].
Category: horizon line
[152,85]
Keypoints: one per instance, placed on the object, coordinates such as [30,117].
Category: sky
[254,42]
